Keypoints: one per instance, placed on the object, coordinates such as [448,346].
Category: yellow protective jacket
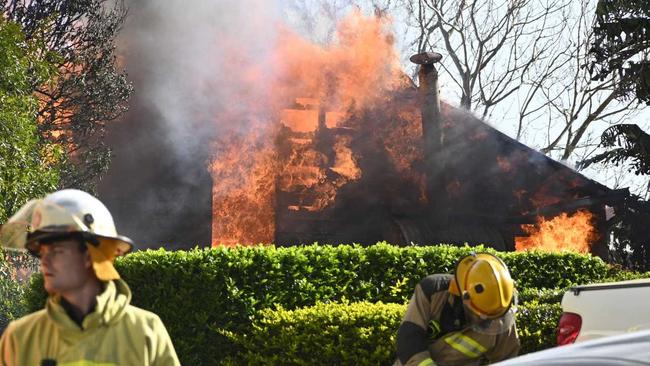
[434,331]
[115,333]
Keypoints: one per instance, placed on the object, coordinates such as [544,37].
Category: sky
[547,122]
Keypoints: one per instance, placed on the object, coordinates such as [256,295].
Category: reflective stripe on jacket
[434,328]
[465,344]
[115,333]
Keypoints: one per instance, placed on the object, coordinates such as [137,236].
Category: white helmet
[61,214]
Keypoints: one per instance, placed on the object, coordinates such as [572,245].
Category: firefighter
[87,319]
[461,319]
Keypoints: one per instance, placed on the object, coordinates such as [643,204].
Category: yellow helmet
[484,283]
[61,214]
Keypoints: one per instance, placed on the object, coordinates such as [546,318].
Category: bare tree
[489,45]
[572,100]
[529,58]
[318,18]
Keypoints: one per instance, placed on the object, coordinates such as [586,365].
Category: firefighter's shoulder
[435,283]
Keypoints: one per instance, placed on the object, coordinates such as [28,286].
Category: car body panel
[610,308]
[624,349]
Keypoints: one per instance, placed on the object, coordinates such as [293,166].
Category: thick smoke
[202,71]
[186,61]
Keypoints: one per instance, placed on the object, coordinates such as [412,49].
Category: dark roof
[492,183]
[489,172]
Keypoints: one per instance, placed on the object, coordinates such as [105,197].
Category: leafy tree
[16,268]
[631,235]
[630,246]
[28,165]
[90,89]
[621,47]
[620,50]
[624,143]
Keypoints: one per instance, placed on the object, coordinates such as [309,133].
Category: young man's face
[65,266]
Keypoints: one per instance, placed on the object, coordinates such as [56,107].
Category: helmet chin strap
[90,238]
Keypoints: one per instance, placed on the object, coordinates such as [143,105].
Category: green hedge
[360,333]
[537,323]
[357,334]
[199,291]
[541,296]
[537,269]
[624,276]
[554,295]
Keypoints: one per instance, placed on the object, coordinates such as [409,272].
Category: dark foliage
[622,32]
[630,229]
[624,143]
[90,91]
[631,232]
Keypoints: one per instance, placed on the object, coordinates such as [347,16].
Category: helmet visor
[38,220]
[13,234]
[42,220]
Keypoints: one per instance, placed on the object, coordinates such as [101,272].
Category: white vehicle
[604,309]
[630,349]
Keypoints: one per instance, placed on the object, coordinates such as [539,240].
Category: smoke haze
[183,59]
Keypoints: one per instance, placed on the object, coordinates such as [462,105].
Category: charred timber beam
[615,197]
[433,137]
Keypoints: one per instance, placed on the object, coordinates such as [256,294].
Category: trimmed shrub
[199,291]
[536,326]
[541,296]
[360,333]
[625,275]
[537,269]
[554,296]
[357,334]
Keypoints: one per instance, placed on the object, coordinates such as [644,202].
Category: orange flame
[564,232]
[335,81]
[353,74]
[345,164]
[243,193]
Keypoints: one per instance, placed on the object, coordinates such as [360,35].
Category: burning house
[454,180]
[408,170]
[333,144]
